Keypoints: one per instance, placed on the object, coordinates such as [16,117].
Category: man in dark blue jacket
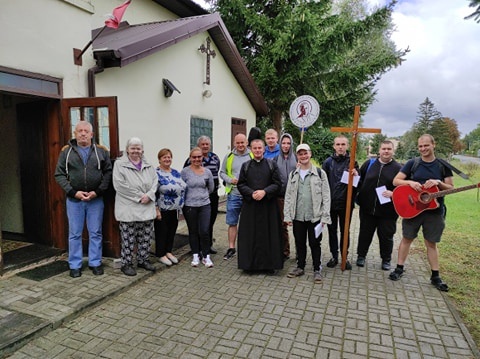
[335,166]
[84,171]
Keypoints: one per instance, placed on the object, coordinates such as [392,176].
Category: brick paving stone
[223,313]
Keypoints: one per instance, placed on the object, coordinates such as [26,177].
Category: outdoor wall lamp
[168,88]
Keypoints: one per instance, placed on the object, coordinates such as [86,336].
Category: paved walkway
[185,312]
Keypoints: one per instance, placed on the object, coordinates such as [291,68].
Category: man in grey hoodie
[287,162]
[229,173]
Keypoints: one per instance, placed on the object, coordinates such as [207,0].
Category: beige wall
[145,112]
[43,33]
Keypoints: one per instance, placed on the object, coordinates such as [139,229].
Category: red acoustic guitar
[409,203]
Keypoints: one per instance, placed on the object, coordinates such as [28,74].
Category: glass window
[98,119]
[200,127]
[103,130]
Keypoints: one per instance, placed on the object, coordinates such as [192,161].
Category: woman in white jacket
[307,208]
[135,183]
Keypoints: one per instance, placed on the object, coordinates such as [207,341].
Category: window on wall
[98,117]
[200,127]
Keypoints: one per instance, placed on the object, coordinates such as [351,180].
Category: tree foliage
[471,141]
[443,129]
[476,14]
[375,142]
[427,115]
[332,50]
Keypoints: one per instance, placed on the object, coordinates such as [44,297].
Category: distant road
[466,159]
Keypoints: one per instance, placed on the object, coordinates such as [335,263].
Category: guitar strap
[444,163]
[453,168]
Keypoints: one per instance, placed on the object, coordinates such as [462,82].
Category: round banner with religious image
[304,111]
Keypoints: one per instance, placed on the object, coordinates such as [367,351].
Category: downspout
[91,77]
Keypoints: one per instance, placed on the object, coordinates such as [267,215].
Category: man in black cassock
[260,241]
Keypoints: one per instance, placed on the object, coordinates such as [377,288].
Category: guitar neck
[453,190]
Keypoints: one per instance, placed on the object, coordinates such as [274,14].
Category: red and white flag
[114,19]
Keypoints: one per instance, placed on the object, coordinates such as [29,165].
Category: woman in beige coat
[135,183]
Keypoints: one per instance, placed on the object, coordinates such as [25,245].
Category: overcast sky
[443,65]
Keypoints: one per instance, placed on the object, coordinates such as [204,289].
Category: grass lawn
[460,253]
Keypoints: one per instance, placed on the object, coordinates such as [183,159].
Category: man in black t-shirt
[427,174]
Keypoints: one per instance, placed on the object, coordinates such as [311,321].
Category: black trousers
[213,213]
[198,219]
[385,227]
[165,230]
[300,231]
[338,219]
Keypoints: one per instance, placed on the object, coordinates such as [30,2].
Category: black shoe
[360,261]
[386,265]
[213,250]
[97,270]
[75,273]
[332,262]
[147,266]
[396,274]
[348,266]
[129,270]
[438,283]
[230,253]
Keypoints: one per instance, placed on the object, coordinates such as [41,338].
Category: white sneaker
[207,261]
[196,260]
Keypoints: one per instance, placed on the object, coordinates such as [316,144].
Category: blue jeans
[234,205]
[77,213]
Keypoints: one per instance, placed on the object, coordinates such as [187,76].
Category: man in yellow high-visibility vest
[229,173]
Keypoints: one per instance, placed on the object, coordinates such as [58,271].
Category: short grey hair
[203,139]
[134,141]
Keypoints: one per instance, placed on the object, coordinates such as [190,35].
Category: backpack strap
[372,161]
[416,162]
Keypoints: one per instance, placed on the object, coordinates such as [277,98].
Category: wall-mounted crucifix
[210,52]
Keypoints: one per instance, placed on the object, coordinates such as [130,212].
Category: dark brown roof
[129,43]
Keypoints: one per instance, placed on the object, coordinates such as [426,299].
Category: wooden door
[238,126]
[101,112]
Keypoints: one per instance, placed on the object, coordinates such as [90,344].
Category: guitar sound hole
[424,197]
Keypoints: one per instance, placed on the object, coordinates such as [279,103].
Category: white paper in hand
[345,179]
[381,198]
[318,229]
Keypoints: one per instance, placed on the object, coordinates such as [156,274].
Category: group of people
[269,187]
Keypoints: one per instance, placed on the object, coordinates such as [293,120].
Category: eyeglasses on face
[195,157]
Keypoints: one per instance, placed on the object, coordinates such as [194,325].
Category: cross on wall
[209,52]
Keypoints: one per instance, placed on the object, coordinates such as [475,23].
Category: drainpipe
[91,77]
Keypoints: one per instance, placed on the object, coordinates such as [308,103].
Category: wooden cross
[354,130]
[210,52]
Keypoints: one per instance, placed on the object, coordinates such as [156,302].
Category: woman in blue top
[196,210]
[170,198]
